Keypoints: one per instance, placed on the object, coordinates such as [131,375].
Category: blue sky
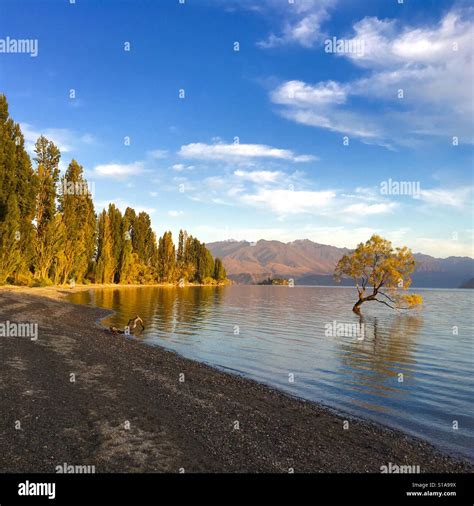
[281,139]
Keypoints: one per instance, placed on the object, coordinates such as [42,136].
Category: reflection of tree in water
[385,351]
[164,308]
[192,305]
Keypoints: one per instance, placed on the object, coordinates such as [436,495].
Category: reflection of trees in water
[385,351]
[163,307]
[192,304]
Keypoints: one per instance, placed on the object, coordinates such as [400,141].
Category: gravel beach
[79,395]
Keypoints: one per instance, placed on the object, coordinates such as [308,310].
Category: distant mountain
[468,284]
[310,263]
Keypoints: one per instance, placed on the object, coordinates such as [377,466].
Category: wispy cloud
[158,154]
[419,85]
[181,167]
[65,139]
[235,152]
[119,170]
[362,209]
[122,204]
[259,176]
[298,93]
[302,22]
[439,247]
[457,197]
[285,202]
[284,194]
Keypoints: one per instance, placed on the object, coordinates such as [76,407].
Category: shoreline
[84,286]
[128,411]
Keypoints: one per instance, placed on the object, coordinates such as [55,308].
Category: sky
[327,120]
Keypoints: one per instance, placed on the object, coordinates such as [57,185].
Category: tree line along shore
[50,233]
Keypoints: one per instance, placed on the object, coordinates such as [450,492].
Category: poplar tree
[10,252]
[105,259]
[190,258]
[180,253]
[219,271]
[205,263]
[16,177]
[127,259]
[115,222]
[47,172]
[166,258]
[79,219]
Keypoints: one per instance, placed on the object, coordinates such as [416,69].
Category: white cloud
[235,190]
[119,170]
[316,105]
[388,46]
[345,122]
[180,167]
[298,93]
[286,194]
[236,152]
[431,65]
[259,176]
[122,205]
[457,197]
[303,20]
[158,154]
[175,214]
[284,202]
[440,248]
[216,182]
[340,236]
[362,209]
[88,139]
[64,138]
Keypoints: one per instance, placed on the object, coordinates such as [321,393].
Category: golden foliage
[377,264]
[413,300]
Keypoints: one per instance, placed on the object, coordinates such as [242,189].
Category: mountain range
[310,263]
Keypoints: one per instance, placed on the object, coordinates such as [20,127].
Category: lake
[411,371]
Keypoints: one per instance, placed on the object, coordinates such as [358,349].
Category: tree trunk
[361,300]
[357,305]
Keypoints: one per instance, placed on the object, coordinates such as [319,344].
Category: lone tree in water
[379,270]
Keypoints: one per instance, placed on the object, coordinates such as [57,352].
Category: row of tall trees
[50,233]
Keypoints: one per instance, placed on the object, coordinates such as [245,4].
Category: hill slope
[310,263]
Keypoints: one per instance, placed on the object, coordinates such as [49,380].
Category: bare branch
[389,298]
[391,307]
[383,302]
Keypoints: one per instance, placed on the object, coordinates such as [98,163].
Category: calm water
[269,333]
